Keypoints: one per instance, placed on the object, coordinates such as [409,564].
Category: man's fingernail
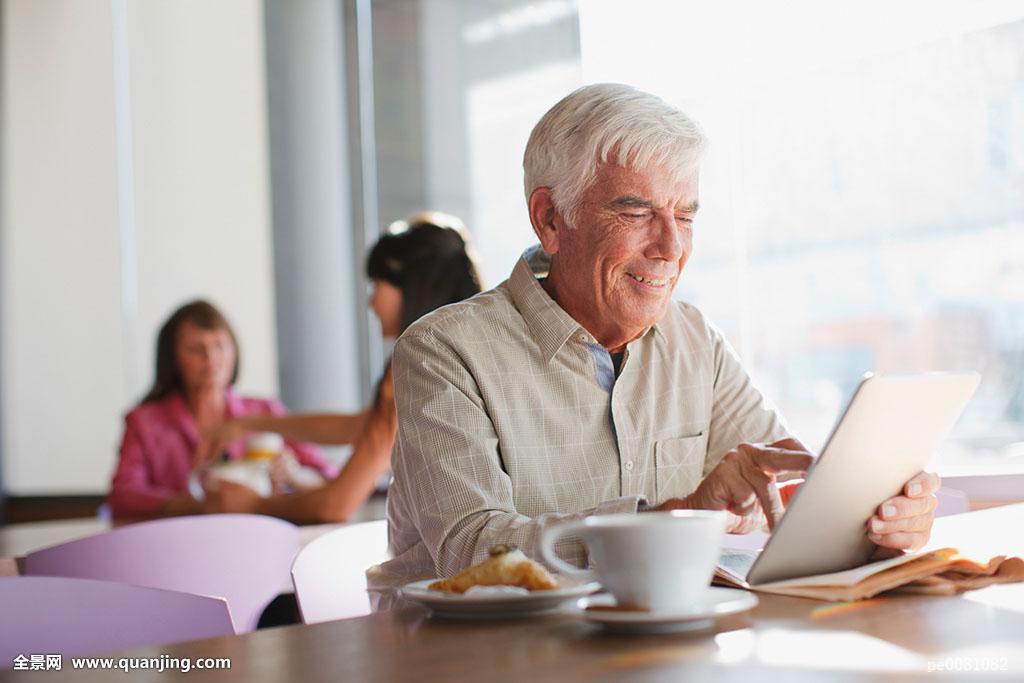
[876,525]
[914,489]
[875,538]
[888,511]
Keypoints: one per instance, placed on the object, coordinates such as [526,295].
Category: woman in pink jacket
[196,366]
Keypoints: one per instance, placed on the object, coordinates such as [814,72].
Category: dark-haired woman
[414,270]
[196,367]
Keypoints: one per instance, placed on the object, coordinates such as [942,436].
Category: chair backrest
[329,574]
[243,558]
[44,615]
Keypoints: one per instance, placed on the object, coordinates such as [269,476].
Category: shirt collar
[549,324]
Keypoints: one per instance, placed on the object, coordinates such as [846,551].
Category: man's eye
[634,215]
[685,219]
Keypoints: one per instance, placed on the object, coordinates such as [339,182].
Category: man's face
[619,264]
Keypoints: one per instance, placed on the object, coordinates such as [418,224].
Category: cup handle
[547,549]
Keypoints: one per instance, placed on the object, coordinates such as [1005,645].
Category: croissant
[506,566]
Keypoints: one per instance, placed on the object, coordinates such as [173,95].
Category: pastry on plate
[506,566]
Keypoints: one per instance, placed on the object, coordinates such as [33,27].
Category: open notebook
[942,571]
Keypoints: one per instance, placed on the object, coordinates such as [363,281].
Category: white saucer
[498,605]
[716,602]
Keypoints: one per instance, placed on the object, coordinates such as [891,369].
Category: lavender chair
[329,574]
[242,558]
[71,617]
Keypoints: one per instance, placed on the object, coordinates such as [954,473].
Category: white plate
[716,602]
[496,606]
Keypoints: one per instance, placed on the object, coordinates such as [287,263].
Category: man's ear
[545,219]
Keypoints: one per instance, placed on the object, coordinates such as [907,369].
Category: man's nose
[669,242]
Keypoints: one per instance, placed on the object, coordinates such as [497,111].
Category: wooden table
[890,638]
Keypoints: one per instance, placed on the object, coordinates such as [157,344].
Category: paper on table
[936,570]
[755,540]
[848,577]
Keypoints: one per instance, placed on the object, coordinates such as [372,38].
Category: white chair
[329,574]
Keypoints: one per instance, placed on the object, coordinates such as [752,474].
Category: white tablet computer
[886,435]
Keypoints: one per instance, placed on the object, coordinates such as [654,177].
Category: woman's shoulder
[151,421]
[150,412]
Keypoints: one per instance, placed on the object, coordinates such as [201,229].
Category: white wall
[86,274]
[61,369]
[202,206]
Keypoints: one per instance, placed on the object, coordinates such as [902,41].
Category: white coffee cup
[658,561]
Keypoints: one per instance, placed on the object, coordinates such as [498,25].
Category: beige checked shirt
[510,418]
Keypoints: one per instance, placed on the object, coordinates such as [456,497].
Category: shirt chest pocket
[678,465]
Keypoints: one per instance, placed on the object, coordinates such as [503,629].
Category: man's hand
[743,483]
[905,522]
[230,496]
[213,442]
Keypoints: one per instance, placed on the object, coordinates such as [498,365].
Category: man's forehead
[652,186]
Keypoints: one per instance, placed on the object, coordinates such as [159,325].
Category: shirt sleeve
[448,470]
[132,492]
[739,411]
[307,454]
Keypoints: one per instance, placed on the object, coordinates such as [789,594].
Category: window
[863,196]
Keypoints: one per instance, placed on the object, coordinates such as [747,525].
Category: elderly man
[578,386]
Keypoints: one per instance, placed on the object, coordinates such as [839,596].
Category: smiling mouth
[649,281]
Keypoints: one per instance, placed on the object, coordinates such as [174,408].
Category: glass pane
[865,194]
[459,85]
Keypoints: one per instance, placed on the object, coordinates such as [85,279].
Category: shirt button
[629,465]
[582,338]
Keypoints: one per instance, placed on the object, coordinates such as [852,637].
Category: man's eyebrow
[631,201]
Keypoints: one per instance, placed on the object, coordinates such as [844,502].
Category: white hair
[607,123]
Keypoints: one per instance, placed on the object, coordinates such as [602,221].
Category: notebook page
[848,577]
